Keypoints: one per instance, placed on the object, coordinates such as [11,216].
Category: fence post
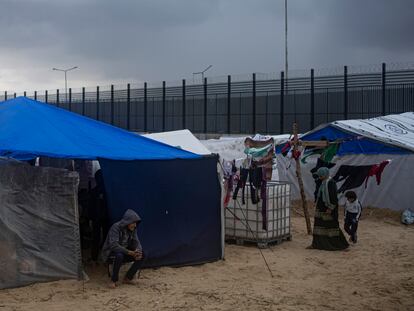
[383,88]
[254,102]
[163,105]
[70,99]
[128,106]
[5,95]
[205,105]
[346,108]
[312,120]
[35,95]
[229,104]
[46,99]
[97,103]
[83,101]
[145,107]
[112,104]
[57,98]
[282,102]
[184,103]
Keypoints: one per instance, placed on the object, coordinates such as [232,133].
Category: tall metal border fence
[263,103]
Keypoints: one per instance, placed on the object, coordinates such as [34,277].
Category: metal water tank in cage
[246,221]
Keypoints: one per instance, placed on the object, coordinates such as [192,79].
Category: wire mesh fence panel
[137,115]
[243,104]
[90,108]
[217,113]
[195,113]
[173,113]
[400,98]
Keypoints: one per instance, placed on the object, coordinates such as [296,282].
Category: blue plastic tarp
[350,143]
[30,129]
[178,201]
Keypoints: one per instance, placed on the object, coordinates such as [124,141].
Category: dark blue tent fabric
[350,142]
[178,201]
[30,128]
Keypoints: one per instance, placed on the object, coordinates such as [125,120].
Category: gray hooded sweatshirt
[120,239]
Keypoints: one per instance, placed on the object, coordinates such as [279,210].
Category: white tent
[361,147]
[183,139]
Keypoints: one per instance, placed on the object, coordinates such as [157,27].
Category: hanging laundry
[376,170]
[267,164]
[255,179]
[259,137]
[355,176]
[263,196]
[244,173]
[329,152]
[254,143]
[229,170]
[262,150]
[322,163]
[311,152]
[258,153]
[286,148]
[326,154]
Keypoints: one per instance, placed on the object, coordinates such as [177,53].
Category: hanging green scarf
[323,193]
[327,154]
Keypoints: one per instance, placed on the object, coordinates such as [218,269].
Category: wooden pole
[299,176]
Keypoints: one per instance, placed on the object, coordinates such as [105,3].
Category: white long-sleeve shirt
[353,207]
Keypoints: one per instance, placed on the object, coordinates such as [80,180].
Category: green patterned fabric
[329,152]
[326,154]
[326,232]
[258,153]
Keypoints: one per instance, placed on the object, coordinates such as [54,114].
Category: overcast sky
[152,40]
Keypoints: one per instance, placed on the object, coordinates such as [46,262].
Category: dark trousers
[100,230]
[119,259]
[351,225]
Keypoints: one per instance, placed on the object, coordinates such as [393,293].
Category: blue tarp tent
[29,128]
[176,192]
[373,157]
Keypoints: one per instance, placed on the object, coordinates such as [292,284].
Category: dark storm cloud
[135,40]
[380,24]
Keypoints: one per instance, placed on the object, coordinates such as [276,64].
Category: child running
[353,209]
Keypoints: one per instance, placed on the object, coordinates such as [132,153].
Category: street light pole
[66,80]
[202,73]
[286,47]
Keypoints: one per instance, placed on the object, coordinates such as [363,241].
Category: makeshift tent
[182,139]
[38,215]
[358,157]
[31,129]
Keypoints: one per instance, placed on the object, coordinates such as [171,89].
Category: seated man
[123,245]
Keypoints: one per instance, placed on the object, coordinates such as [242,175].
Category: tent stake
[299,176]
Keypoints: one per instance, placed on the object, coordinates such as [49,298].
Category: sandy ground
[376,274]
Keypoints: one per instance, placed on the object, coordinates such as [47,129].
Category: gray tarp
[39,224]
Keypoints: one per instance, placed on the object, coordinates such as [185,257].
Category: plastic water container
[245,223]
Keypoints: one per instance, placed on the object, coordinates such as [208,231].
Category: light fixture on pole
[202,73]
[66,81]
